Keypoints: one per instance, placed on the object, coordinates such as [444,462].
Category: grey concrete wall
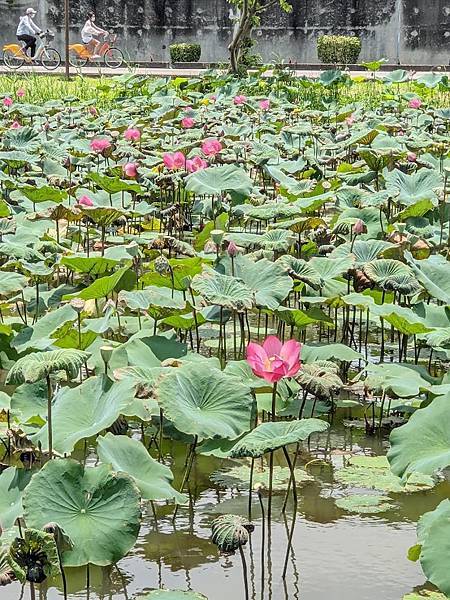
[408,31]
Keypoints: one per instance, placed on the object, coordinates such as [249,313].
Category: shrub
[338,49]
[185,52]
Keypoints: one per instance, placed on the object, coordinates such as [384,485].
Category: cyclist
[26,31]
[88,32]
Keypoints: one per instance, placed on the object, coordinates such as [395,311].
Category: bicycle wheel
[76,60]
[50,59]
[12,60]
[113,58]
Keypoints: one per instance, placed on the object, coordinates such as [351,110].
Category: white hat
[30,11]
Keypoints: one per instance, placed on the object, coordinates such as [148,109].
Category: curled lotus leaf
[39,365]
[34,557]
[230,532]
[320,379]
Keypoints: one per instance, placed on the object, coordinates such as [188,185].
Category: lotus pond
[225,339]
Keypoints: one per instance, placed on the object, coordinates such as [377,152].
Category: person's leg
[33,46]
[28,40]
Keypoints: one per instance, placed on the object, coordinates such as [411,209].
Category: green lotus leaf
[130,456]
[270,436]
[34,557]
[365,504]
[268,281]
[182,271]
[315,352]
[223,290]
[122,279]
[230,532]
[423,444]
[435,539]
[85,410]
[239,477]
[11,283]
[40,335]
[29,402]
[434,274]
[205,402]
[152,296]
[408,189]
[91,265]
[301,270]
[373,472]
[13,481]
[320,379]
[402,381]
[37,366]
[42,194]
[99,510]
[391,274]
[103,215]
[216,180]
[363,251]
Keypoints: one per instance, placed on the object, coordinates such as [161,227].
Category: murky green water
[336,555]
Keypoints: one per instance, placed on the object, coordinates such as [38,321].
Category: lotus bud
[359,227]
[162,265]
[411,157]
[232,249]
[78,305]
[217,236]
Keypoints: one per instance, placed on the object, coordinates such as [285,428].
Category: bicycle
[14,57]
[79,55]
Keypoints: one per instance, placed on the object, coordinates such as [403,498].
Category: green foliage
[338,49]
[185,53]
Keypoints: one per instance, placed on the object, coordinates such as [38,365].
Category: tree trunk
[241,33]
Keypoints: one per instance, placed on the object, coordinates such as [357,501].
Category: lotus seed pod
[78,304]
[162,265]
[106,353]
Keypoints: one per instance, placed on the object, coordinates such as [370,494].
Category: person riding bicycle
[88,32]
[26,31]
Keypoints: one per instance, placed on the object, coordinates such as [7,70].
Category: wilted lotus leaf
[34,557]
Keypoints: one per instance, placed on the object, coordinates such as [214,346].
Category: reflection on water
[336,555]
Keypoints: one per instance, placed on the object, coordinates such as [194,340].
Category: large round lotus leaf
[85,410]
[373,472]
[215,180]
[434,274]
[172,595]
[267,280]
[223,290]
[130,456]
[436,549]
[272,435]
[13,481]
[423,444]
[239,477]
[203,401]
[99,510]
[364,504]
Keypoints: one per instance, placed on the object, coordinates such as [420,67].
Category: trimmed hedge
[338,49]
[180,53]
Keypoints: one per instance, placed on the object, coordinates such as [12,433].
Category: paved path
[158,72]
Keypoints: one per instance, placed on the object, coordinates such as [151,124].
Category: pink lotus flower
[415,103]
[211,147]
[132,134]
[85,201]
[174,161]
[93,111]
[273,360]
[238,100]
[15,125]
[20,93]
[350,120]
[411,157]
[7,101]
[264,104]
[213,98]
[98,145]
[196,164]
[187,122]
[130,169]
